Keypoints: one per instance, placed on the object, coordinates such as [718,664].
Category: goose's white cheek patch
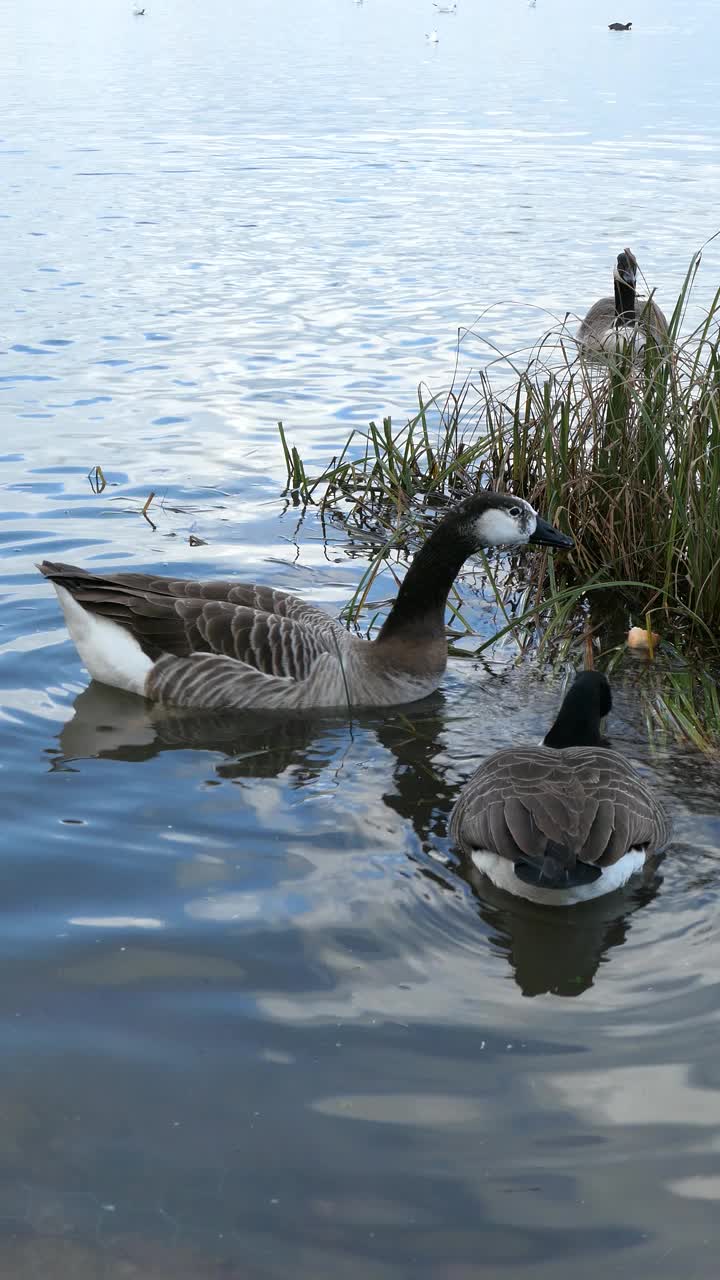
[497,528]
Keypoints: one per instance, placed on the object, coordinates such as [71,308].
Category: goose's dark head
[585,704]
[500,520]
[626,268]
[487,520]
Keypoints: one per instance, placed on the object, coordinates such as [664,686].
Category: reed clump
[625,456]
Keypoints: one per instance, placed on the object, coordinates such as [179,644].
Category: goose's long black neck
[423,593]
[624,302]
[578,721]
[573,729]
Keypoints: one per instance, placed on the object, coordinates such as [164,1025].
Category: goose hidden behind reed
[615,323]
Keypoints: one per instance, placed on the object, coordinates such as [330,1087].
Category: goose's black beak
[548,536]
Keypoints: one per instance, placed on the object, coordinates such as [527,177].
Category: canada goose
[432,37]
[619,26]
[139,13]
[227,644]
[566,821]
[445,8]
[612,323]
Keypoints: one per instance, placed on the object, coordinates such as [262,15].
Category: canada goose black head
[585,705]
[488,519]
[501,520]
[626,268]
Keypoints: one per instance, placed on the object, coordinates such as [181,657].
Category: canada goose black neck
[578,722]
[423,593]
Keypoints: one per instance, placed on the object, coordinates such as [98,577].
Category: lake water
[257,1021]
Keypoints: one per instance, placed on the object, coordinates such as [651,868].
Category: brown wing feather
[251,594]
[587,799]
[272,631]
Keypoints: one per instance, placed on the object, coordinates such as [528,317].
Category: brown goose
[227,644]
[612,323]
[566,821]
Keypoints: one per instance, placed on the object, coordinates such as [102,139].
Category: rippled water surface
[257,1019]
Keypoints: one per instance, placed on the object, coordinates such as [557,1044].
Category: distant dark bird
[619,26]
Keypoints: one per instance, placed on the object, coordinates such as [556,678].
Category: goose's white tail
[109,652]
[502,874]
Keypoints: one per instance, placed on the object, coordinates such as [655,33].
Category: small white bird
[432,37]
[445,8]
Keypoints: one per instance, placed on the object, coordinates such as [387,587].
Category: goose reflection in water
[556,950]
[559,950]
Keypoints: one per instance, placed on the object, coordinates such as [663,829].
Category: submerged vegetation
[625,456]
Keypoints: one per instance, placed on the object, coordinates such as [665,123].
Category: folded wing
[589,800]
[271,631]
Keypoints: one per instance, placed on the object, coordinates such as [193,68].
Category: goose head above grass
[565,822]
[229,644]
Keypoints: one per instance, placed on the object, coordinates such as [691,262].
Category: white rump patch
[502,873]
[108,651]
